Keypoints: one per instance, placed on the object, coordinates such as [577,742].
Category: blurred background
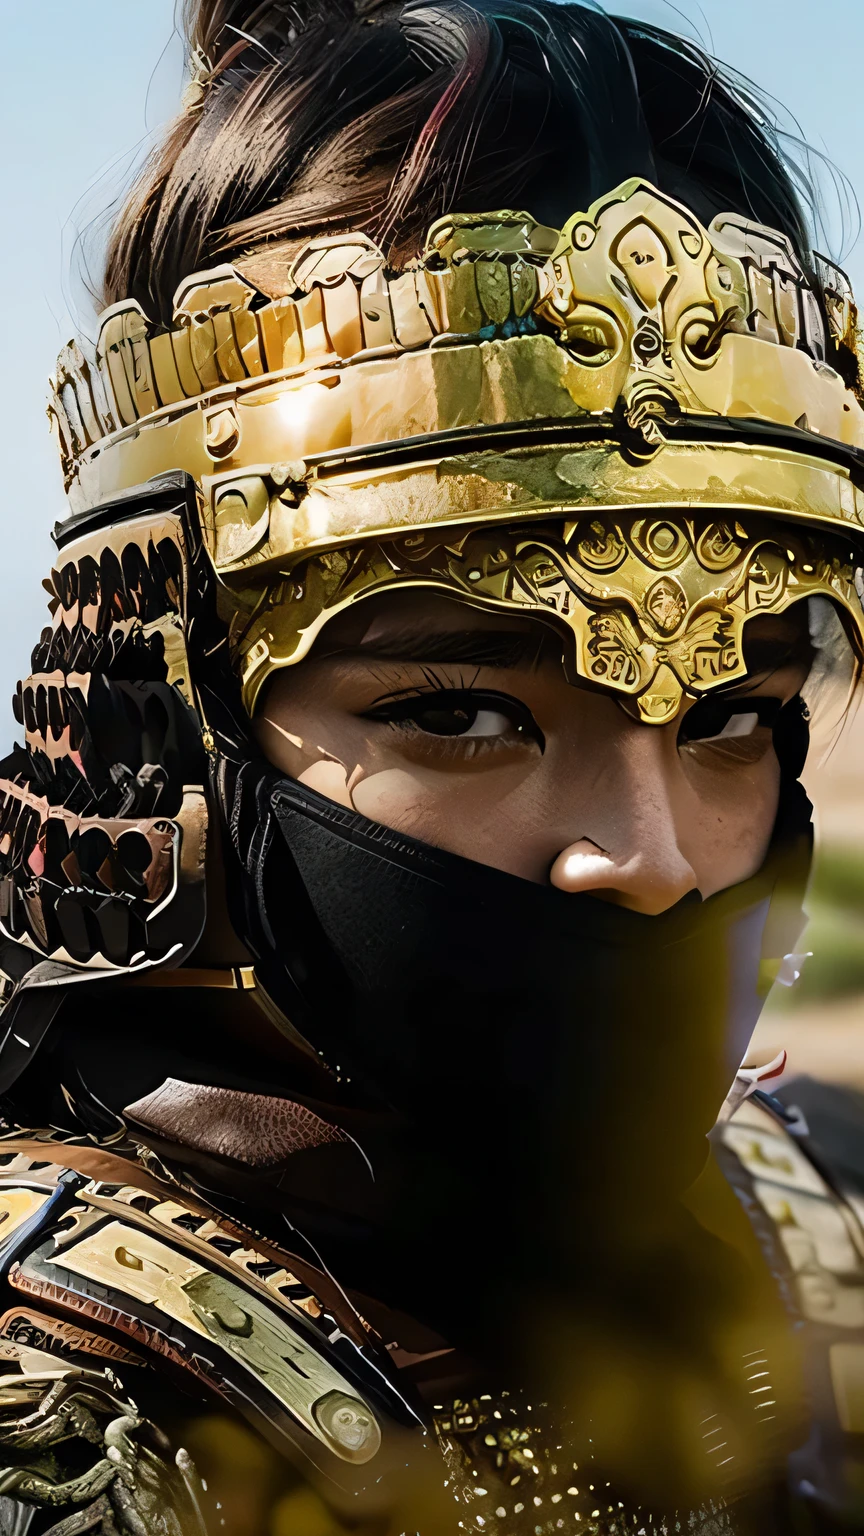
[86,88]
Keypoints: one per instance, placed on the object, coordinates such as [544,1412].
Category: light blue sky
[84,82]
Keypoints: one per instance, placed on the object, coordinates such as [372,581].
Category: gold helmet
[642,429]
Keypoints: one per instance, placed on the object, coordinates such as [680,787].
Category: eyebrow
[506,648]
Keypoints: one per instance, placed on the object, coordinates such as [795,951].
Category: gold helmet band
[638,427]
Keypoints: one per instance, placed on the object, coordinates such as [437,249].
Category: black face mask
[506,1020]
[531,1075]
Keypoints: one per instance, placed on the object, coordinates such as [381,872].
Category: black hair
[310,116]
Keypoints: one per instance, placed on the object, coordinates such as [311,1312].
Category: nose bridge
[646,762]
[628,842]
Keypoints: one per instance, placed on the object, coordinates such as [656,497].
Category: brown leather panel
[247,1128]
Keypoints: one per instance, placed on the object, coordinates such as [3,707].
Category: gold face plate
[655,607]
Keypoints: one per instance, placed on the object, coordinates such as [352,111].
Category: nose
[646,882]
[629,850]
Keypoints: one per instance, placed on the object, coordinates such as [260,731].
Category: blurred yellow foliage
[302,1513]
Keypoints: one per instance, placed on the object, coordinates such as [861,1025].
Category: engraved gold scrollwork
[720,545]
[666,604]
[765,578]
[483,562]
[539,575]
[656,607]
[599,545]
[660,544]
[642,255]
[594,336]
[649,408]
[613,650]
[708,652]
[662,701]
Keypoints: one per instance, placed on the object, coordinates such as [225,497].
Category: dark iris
[444,722]
[711,716]
[454,712]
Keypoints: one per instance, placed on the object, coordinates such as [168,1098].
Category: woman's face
[459,728]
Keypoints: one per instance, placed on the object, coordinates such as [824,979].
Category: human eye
[472,716]
[726,720]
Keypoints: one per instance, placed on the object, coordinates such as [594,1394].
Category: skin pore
[459,728]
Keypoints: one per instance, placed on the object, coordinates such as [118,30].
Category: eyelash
[404,714]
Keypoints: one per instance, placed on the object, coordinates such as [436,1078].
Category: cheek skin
[726,820]
[495,817]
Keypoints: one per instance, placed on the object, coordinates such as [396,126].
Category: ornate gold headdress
[639,428]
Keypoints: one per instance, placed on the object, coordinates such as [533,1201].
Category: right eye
[462,713]
[728,719]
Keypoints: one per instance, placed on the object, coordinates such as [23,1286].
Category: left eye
[727,719]
[739,725]
[461,713]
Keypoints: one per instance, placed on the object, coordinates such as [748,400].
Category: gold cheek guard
[637,428]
